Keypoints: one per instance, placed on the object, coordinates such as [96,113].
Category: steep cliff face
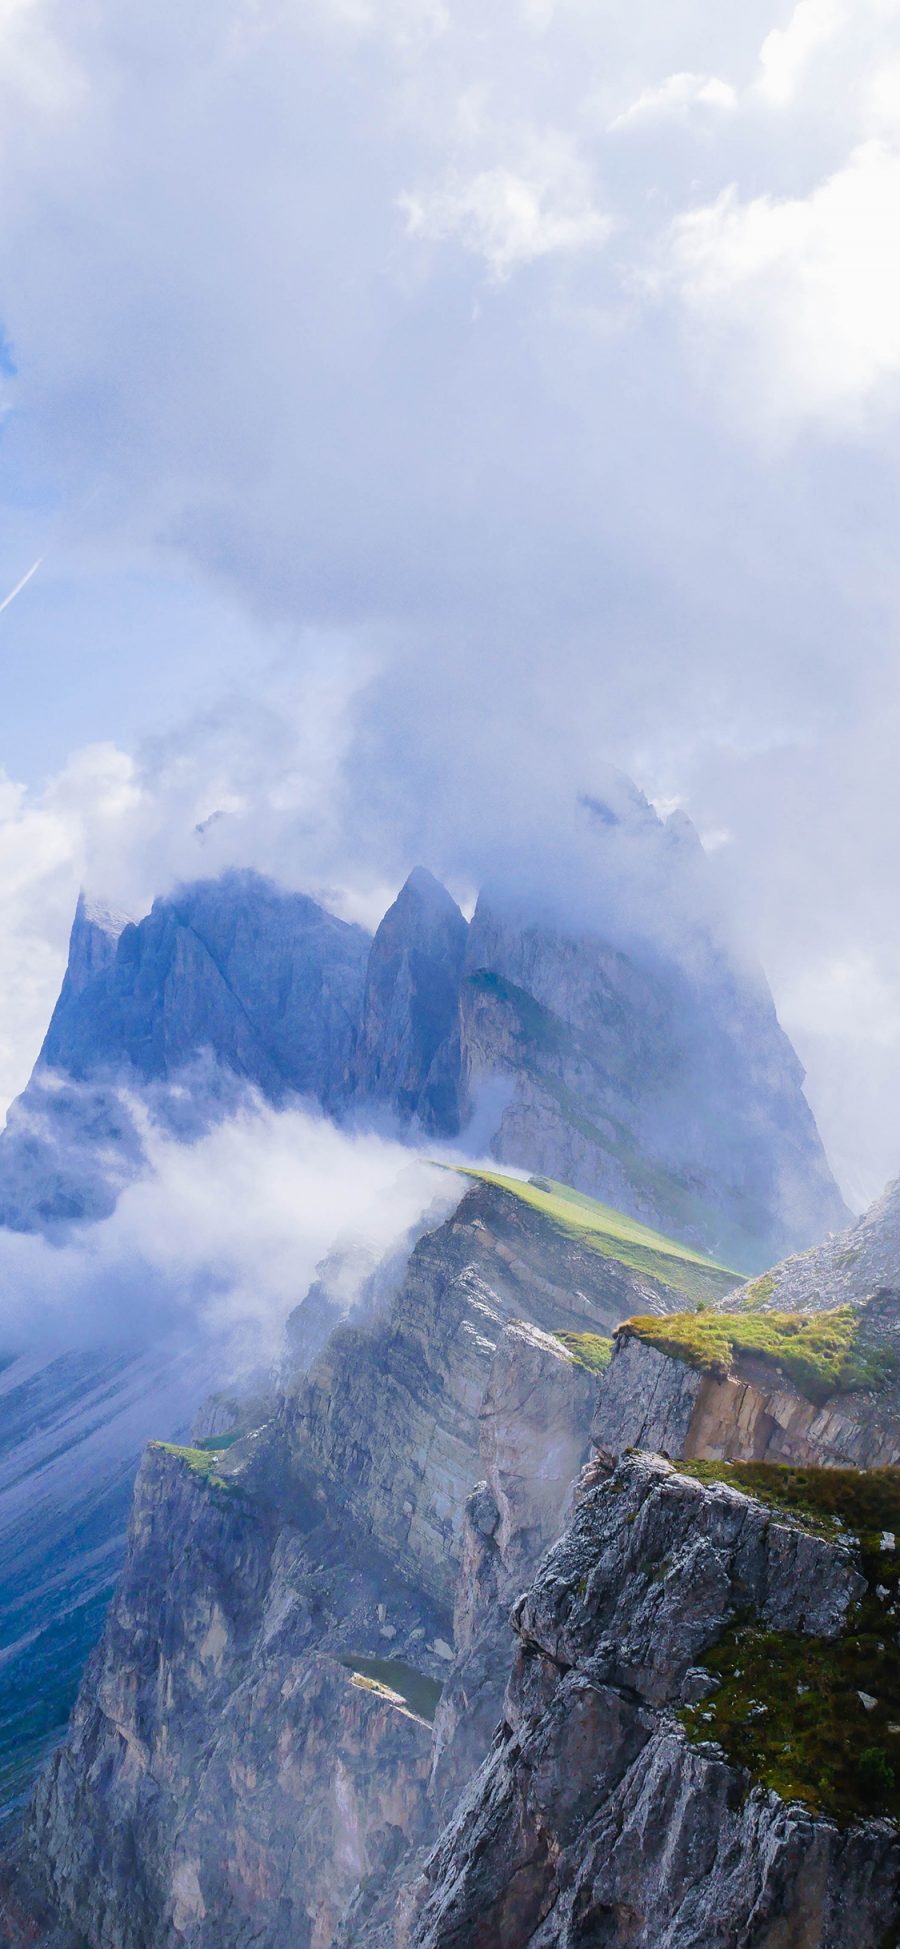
[72,1429]
[597,1817]
[92,947]
[408,1048]
[534,1421]
[859,1260]
[618,1052]
[253,1748]
[265,980]
[389,1414]
[288,1733]
[225,1779]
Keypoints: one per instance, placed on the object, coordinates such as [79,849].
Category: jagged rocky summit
[308,1724]
[649,1070]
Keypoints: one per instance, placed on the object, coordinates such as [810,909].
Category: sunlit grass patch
[200,1461]
[600,1228]
[822,1353]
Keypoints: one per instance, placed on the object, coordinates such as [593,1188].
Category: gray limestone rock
[407,1051]
[226,985]
[225,1771]
[252,1759]
[649,1071]
[389,1414]
[593,1821]
[534,1438]
[265,980]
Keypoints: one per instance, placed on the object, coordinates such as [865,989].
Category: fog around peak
[447,408]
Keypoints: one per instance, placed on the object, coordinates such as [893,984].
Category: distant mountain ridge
[651,1073]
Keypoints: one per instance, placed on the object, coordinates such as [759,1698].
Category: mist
[216,1240]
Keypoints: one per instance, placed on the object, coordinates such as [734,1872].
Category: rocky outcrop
[264,980]
[856,1262]
[225,1779]
[225,985]
[92,947]
[407,1055]
[594,1818]
[535,1423]
[754,1411]
[72,1430]
[288,1735]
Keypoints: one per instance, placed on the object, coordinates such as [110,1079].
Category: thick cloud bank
[413,406]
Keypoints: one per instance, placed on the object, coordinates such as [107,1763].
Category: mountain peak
[93,941]
[405,1056]
[421,884]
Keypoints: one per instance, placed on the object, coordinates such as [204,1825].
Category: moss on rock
[592,1350]
[814,1719]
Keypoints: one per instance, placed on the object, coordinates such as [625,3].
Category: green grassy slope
[822,1353]
[615,1236]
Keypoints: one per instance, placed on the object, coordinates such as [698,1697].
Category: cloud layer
[510,391]
[219,1239]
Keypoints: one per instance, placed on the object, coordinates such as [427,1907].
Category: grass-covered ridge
[201,1462]
[602,1229]
[817,1720]
[822,1353]
[591,1350]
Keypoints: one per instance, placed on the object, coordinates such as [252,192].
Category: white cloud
[544,531]
[44,843]
[787,51]
[220,1238]
[882,99]
[33,65]
[803,293]
[409,23]
[849,997]
[677,95]
[512,216]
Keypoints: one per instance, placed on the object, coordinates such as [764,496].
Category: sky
[412,407]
